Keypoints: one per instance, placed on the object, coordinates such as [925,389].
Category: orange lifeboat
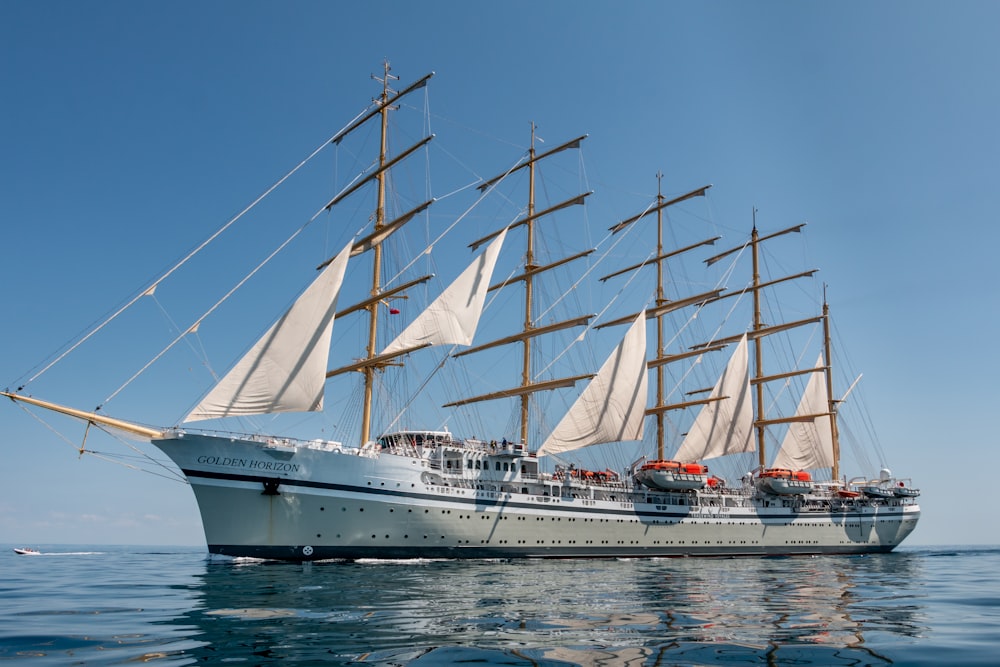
[662,465]
[783,482]
[665,475]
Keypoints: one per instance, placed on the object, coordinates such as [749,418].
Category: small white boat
[26,551]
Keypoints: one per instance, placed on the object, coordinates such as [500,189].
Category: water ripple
[913,607]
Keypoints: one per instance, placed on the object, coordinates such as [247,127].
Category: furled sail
[613,406]
[725,424]
[809,444]
[285,370]
[454,315]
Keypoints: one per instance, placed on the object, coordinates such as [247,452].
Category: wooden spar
[531,333]
[524,390]
[531,217]
[662,204]
[376,361]
[712,260]
[769,283]
[659,258]
[541,269]
[375,238]
[532,159]
[760,332]
[90,417]
[660,409]
[385,103]
[789,374]
[384,294]
[669,358]
[379,173]
[805,419]
[664,308]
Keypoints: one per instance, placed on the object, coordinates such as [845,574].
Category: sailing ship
[427,493]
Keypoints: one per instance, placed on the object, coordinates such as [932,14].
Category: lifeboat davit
[784,482]
[672,475]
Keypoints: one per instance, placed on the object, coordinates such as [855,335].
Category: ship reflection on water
[822,610]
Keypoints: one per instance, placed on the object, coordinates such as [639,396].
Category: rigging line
[141,453]
[786,386]
[200,354]
[111,459]
[76,448]
[183,261]
[209,311]
[590,270]
[723,280]
[690,321]
[49,427]
[597,318]
[453,224]
[420,389]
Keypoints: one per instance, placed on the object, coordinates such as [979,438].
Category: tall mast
[827,352]
[529,265]
[663,304]
[759,330]
[527,385]
[369,371]
[659,320]
[758,341]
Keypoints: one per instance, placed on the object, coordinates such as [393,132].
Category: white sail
[454,315]
[724,426]
[286,370]
[613,406]
[809,445]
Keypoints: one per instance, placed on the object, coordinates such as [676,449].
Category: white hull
[306,503]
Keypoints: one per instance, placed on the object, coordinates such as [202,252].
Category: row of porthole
[741,523]
[631,542]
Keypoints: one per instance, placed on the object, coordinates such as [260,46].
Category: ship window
[498,465]
[470,464]
[477,464]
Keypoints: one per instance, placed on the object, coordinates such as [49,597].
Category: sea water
[177,606]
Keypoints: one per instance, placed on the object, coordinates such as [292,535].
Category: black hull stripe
[887,512]
[295,553]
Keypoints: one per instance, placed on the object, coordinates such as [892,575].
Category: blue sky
[132,129]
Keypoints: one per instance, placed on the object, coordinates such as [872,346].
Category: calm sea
[175,606]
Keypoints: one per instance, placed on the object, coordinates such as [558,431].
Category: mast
[759,330]
[663,305]
[659,320]
[531,269]
[369,371]
[529,266]
[827,351]
[758,341]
